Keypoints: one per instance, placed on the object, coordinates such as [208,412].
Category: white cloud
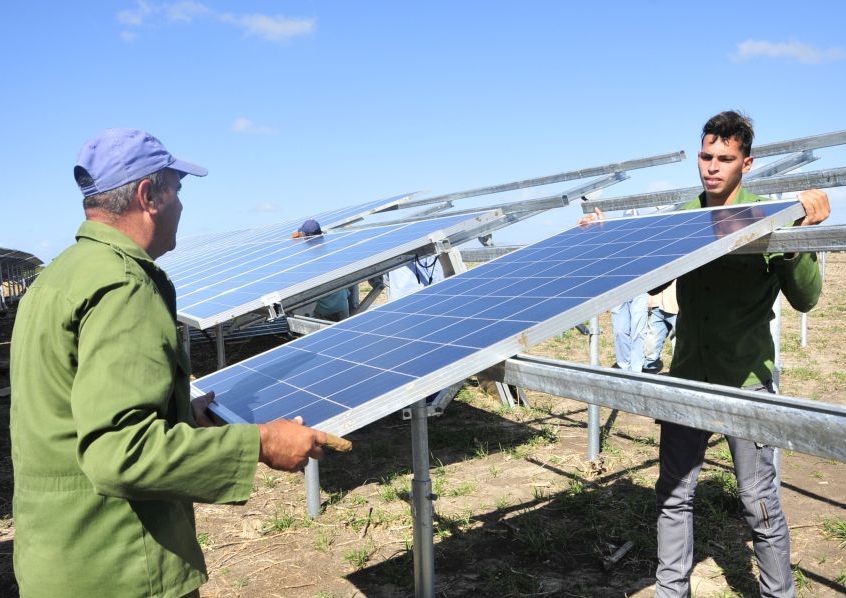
[246,126]
[266,207]
[136,17]
[793,50]
[185,12]
[273,28]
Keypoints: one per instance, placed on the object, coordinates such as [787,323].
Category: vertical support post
[452,263]
[593,410]
[221,348]
[775,330]
[421,504]
[803,330]
[312,487]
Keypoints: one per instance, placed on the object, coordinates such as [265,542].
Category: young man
[109,452]
[723,337]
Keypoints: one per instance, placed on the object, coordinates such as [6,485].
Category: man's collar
[103,233]
[743,196]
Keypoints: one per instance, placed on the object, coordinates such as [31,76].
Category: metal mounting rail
[786,164]
[799,144]
[811,427]
[818,179]
[552,178]
[800,239]
[539,204]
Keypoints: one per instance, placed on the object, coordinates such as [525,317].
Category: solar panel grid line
[384,387]
[300,280]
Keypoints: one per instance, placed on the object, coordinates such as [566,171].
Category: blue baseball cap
[310,227]
[116,157]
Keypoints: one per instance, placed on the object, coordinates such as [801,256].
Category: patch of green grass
[203,539]
[481,451]
[722,452]
[241,582]
[269,480]
[538,493]
[358,557]
[333,498]
[835,528]
[280,521]
[503,502]
[841,578]
[493,470]
[462,489]
[576,487]
[804,374]
[645,440]
[324,540]
[358,500]
[394,487]
[323,594]
[801,580]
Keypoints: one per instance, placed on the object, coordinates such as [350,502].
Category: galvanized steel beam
[802,425]
[553,178]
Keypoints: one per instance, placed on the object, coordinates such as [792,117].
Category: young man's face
[721,166]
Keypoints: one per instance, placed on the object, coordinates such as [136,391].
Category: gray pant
[681,454]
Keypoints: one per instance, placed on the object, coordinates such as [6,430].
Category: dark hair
[116,201]
[731,125]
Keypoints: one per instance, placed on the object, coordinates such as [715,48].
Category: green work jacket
[106,456]
[725,307]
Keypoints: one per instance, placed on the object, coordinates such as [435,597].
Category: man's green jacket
[106,456]
[725,307]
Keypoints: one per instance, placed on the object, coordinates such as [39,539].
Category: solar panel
[190,249]
[245,272]
[364,368]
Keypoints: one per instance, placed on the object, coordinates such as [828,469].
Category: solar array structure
[359,370]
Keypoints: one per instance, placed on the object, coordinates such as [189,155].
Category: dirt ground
[520,510]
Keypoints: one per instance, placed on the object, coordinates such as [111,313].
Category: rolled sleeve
[131,441]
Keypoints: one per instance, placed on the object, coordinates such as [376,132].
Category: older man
[109,452]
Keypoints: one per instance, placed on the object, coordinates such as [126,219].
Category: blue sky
[302,106]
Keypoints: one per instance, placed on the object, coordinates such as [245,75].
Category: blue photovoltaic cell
[229,278]
[368,366]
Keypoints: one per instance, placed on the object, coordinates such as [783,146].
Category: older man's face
[167,218]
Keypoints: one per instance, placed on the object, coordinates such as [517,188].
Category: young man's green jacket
[725,307]
[106,456]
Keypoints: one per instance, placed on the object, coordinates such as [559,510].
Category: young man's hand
[287,444]
[816,207]
[596,216]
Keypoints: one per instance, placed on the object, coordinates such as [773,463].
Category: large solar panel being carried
[245,272]
[371,365]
